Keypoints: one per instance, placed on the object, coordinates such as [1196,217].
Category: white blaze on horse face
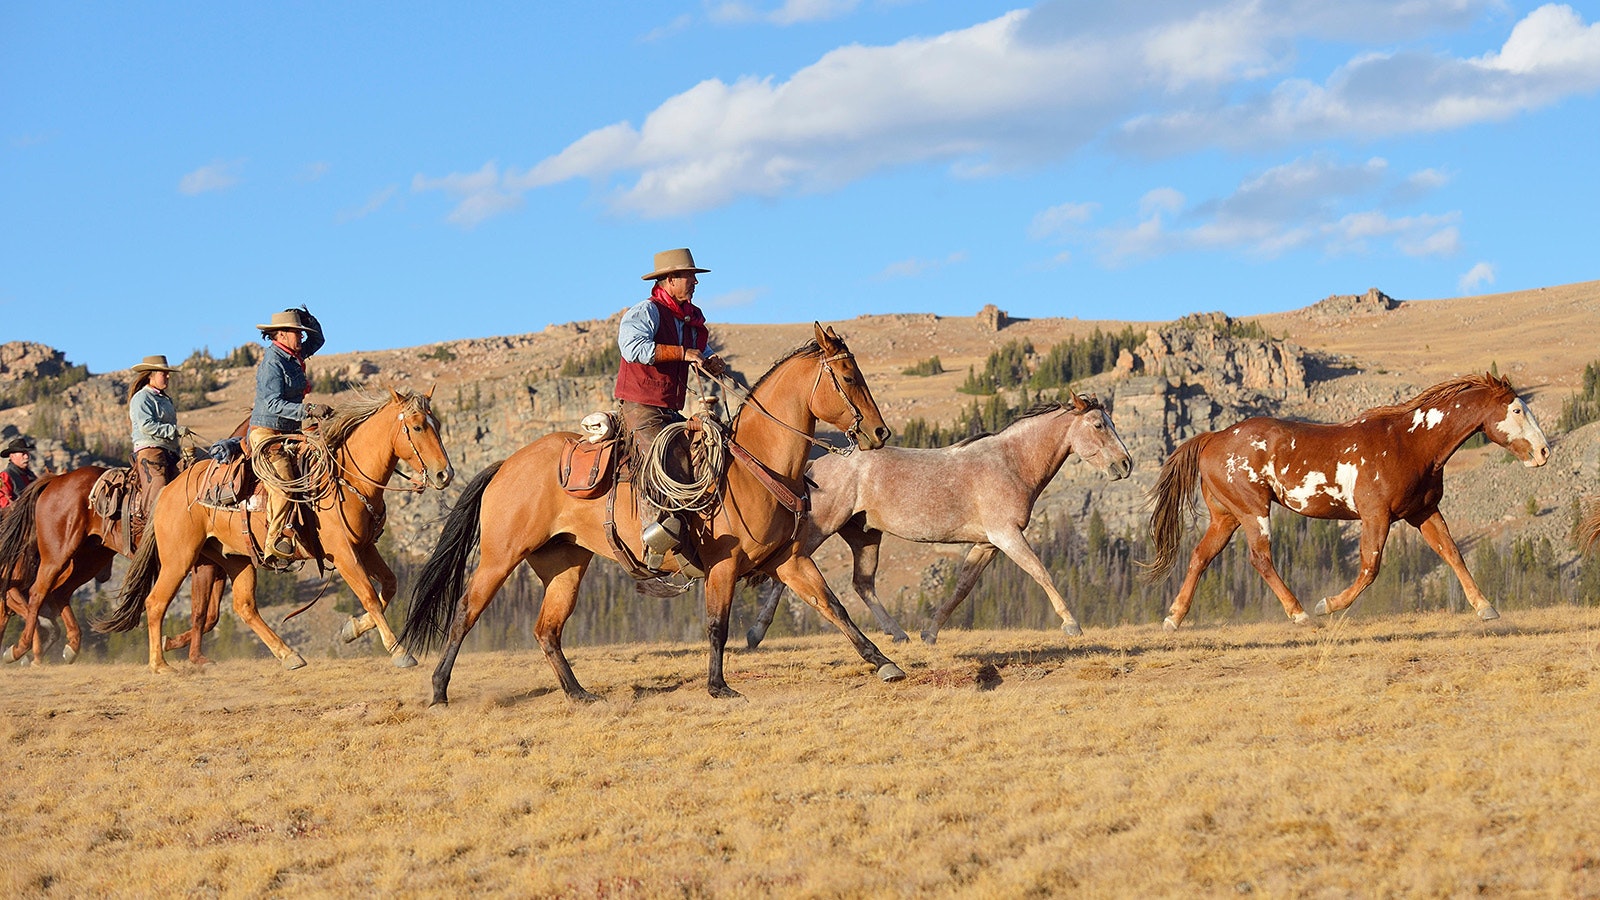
[1430,418]
[1519,424]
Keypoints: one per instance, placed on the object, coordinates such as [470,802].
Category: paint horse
[52,542]
[980,490]
[1387,464]
[518,511]
[366,440]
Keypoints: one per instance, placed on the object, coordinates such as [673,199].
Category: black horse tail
[444,576]
[19,539]
[136,586]
[1174,498]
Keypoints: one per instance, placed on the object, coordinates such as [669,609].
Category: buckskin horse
[519,512]
[52,542]
[980,490]
[366,439]
[1384,465]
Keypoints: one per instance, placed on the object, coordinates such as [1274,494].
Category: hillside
[1325,362]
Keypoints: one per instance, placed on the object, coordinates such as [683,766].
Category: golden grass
[1424,755]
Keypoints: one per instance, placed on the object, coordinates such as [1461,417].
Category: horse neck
[1037,447]
[1441,442]
[783,395]
[370,451]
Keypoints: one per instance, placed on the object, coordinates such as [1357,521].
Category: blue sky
[171,174]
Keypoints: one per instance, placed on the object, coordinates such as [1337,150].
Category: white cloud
[662,32]
[1166,77]
[480,195]
[218,176]
[313,172]
[916,266]
[735,298]
[374,203]
[1160,200]
[1478,277]
[1060,218]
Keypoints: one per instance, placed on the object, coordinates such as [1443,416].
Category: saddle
[588,464]
[109,496]
[231,486]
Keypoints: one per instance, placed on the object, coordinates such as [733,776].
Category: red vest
[665,384]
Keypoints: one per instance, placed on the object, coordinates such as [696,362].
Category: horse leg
[1259,539]
[1374,534]
[155,608]
[44,580]
[244,605]
[1217,535]
[976,561]
[864,543]
[69,620]
[1015,545]
[770,595]
[352,565]
[388,586]
[1437,534]
[800,573]
[561,568]
[495,564]
[719,604]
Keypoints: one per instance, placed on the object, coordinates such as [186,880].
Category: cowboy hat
[288,320]
[669,262]
[19,444]
[156,363]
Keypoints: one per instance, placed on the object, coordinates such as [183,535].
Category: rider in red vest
[660,338]
[16,475]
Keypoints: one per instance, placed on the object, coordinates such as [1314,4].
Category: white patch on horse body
[1291,443]
[1242,464]
[1259,444]
[1343,489]
[1430,418]
[1297,498]
[1264,523]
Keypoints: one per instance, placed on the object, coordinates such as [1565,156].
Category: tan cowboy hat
[669,262]
[288,320]
[19,444]
[156,363]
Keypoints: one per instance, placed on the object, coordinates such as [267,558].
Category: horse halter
[854,431]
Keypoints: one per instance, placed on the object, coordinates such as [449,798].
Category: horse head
[1094,437]
[1510,423]
[849,407]
[417,440]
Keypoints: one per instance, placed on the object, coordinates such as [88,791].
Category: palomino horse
[521,513]
[52,541]
[1386,464]
[980,490]
[366,440]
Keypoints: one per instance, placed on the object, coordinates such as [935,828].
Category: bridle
[826,366]
[416,485]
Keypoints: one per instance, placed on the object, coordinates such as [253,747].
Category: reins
[749,398]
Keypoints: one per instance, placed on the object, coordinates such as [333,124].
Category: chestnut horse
[980,490]
[52,542]
[522,513]
[1386,464]
[365,440]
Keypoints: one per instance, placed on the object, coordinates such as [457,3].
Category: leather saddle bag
[587,468]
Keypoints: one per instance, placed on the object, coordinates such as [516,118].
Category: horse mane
[350,415]
[1442,393]
[1083,403]
[809,348]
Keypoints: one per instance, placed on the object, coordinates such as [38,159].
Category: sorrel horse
[52,542]
[980,490]
[521,513]
[1384,465]
[366,440]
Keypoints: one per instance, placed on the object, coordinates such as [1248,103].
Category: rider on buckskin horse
[16,474]
[660,337]
[155,436]
[281,407]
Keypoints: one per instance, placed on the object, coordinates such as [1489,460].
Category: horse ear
[396,395]
[1080,403]
[429,394]
[825,339]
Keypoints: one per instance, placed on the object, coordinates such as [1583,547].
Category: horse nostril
[883,433]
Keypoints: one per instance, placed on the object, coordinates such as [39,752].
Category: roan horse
[52,541]
[1386,464]
[981,490]
[366,439]
[521,514]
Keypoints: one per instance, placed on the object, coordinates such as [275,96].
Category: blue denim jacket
[281,386]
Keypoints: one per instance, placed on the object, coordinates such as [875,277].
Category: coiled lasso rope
[316,467]
[705,491]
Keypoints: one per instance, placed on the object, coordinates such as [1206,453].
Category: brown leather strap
[619,550]
[799,504]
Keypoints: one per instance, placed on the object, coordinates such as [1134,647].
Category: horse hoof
[293,661]
[1488,614]
[723,692]
[902,638]
[1169,624]
[1321,608]
[348,632]
[1072,629]
[1303,618]
[70,655]
[930,637]
[403,660]
[891,672]
[162,669]
[752,640]
[11,655]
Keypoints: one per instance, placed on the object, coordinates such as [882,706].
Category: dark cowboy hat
[19,444]
[156,363]
[670,262]
[288,320]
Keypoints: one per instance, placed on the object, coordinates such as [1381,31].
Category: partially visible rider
[17,473]
[660,337]
[281,408]
[155,436]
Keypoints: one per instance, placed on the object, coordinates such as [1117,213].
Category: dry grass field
[1426,756]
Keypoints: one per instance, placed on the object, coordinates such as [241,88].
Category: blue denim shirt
[155,420]
[281,386]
